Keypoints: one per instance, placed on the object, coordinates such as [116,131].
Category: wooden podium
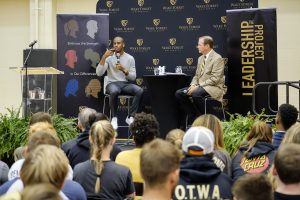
[38,94]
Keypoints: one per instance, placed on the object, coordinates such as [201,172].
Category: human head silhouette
[71,27]
[71,57]
[92,28]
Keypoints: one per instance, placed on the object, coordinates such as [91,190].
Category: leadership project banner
[252,58]
[81,41]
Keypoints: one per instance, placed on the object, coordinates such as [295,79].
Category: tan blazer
[211,78]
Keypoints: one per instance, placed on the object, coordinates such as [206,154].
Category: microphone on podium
[118,58]
[32,43]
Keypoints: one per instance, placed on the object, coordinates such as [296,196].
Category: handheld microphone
[32,43]
[118,58]
[185,91]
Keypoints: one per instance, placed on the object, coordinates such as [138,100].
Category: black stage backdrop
[252,56]
[166,32]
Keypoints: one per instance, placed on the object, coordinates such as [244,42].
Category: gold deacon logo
[156,22]
[189,61]
[155,61]
[225,61]
[139,81]
[140,42]
[173,2]
[109,4]
[141,2]
[123,101]
[124,22]
[172,41]
[206,1]
[223,19]
[189,20]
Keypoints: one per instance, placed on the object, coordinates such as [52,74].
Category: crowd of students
[186,165]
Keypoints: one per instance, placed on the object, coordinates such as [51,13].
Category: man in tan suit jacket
[208,80]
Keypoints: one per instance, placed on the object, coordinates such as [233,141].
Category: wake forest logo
[140,48]
[124,22]
[108,8]
[124,27]
[173,7]
[172,47]
[224,19]
[173,2]
[189,20]
[172,41]
[139,42]
[141,2]
[109,4]
[242,4]
[189,26]
[141,8]
[222,25]
[155,61]
[189,61]
[156,22]
[123,103]
[139,81]
[207,5]
[156,26]
[188,66]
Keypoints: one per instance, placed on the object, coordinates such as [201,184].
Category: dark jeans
[193,105]
[124,88]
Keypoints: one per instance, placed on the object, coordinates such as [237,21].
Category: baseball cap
[198,141]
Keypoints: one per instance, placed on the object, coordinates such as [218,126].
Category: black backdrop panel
[252,56]
[166,32]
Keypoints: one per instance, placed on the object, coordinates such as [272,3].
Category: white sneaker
[129,120]
[114,122]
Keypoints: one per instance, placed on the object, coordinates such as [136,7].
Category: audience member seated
[286,116]
[40,117]
[292,135]
[287,173]
[41,192]
[160,169]
[78,150]
[252,187]
[39,134]
[3,172]
[100,177]
[256,154]
[41,130]
[175,136]
[200,178]
[45,164]
[100,116]
[220,156]
[144,129]
[19,153]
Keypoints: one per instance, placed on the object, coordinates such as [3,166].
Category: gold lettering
[246,25]
[248,61]
[246,45]
[248,53]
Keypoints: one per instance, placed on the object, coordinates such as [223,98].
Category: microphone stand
[26,79]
